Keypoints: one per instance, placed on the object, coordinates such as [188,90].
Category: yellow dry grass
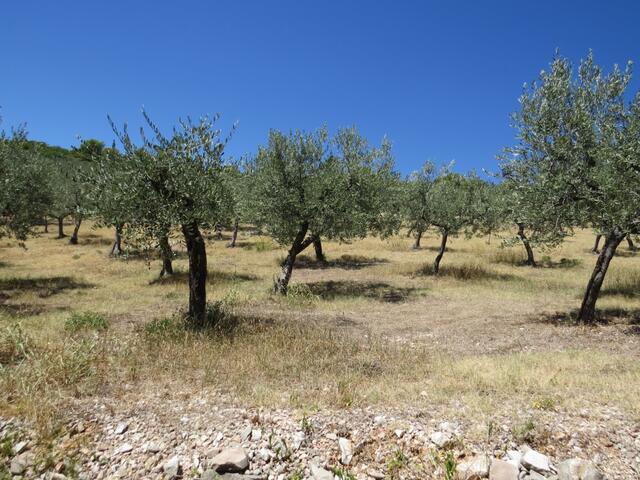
[372,326]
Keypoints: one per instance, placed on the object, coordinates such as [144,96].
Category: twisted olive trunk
[234,235]
[197,274]
[416,244]
[596,246]
[46,224]
[443,247]
[587,312]
[632,247]
[116,249]
[281,285]
[317,246]
[77,220]
[531,261]
[167,256]
[61,227]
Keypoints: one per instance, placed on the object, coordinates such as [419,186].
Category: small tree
[453,207]
[25,194]
[177,181]
[579,144]
[305,187]
[416,201]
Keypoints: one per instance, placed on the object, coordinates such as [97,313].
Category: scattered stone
[246,433]
[319,473]
[121,428]
[125,448]
[375,474]
[536,461]
[346,451]
[172,468]
[19,447]
[399,433]
[256,435]
[18,466]
[233,460]
[153,447]
[441,439]
[298,440]
[474,469]
[578,469]
[535,476]
[502,470]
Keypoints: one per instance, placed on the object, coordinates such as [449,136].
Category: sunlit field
[372,326]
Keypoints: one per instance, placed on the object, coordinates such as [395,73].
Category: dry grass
[371,326]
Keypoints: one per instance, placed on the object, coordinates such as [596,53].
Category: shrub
[86,321]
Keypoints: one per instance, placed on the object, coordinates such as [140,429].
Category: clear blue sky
[438,78]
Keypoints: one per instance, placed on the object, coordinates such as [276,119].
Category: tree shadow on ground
[43,286]
[546,262]
[27,309]
[383,292]
[630,289]
[345,262]
[604,316]
[467,272]
[213,276]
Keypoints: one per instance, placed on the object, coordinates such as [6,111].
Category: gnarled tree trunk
[443,247]
[61,227]
[317,246]
[197,274]
[234,235]
[116,249]
[531,261]
[416,244]
[632,247]
[281,285]
[587,312]
[167,256]
[596,246]
[77,220]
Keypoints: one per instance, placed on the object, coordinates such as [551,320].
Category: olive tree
[579,149]
[305,186]
[416,206]
[180,177]
[454,207]
[25,193]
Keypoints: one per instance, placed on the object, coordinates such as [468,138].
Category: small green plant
[543,403]
[306,425]
[449,465]
[164,327]
[263,245]
[343,473]
[396,462]
[525,432]
[86,321]
[345,394]
[299,293]
[297,474]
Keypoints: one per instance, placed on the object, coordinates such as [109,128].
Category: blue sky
[438,78]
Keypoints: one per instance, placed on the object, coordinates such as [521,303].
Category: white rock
[441,439]
[125,448]
[536,461]
[19,447]
[346,451]
[231,460]
[501,470]
[578,469]
[18,466]
[172,468]
[319,473]
[298,440]
[399,433]
[474,468]
[121,428]
[256,434]
[246,433]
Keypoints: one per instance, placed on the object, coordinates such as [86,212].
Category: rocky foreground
[191,437]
